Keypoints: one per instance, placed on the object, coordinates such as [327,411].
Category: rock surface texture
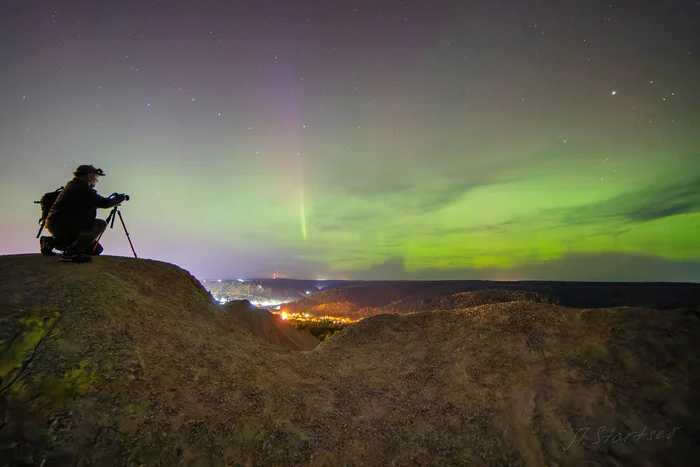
[131,362]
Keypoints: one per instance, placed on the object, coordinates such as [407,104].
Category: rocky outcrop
[270,328]
[130,362]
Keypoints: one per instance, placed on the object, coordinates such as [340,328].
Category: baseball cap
[88,169]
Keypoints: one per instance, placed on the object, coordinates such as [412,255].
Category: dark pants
[84,241]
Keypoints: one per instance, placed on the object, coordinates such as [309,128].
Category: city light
[291,316]
[267,304]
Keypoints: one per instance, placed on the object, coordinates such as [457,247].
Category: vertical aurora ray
[287,110]
[302,210]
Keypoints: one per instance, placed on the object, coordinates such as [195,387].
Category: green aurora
[500,142]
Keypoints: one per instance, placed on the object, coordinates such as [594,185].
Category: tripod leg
[41,228]
[110,217]
[97,241]
[128,237]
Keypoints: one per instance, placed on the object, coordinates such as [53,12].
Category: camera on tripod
[110,221]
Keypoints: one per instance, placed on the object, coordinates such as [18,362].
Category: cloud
[328,220]
[438,232]
[423,200]
[393,267]
[666,202]
[603,267]
[616,213]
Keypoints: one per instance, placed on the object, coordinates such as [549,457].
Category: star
[613,93]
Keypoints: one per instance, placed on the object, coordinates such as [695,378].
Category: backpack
[46,203]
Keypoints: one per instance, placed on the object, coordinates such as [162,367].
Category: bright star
[613,93]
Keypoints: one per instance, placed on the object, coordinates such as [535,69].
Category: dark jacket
[76,207]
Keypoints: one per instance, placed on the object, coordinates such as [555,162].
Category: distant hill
[361,300]
[129,362]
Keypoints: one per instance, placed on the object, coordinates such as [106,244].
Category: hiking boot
[47,244]
[75,257]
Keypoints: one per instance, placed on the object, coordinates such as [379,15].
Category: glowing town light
[283,315]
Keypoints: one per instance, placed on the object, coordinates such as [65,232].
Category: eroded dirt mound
[129,362]
[270,328]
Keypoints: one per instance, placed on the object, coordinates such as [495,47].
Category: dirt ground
[131,362]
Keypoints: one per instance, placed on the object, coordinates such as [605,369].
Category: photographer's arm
[111,201]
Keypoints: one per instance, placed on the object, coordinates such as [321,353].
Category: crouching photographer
[72,219]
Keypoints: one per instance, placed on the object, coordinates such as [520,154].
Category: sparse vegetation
[320,329]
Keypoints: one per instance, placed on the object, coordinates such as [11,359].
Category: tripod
[110,222]
[42,223]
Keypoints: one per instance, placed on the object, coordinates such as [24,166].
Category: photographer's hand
[121,197]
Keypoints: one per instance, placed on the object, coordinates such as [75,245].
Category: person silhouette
[73,220]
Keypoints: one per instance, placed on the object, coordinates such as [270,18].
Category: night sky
[362,139]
